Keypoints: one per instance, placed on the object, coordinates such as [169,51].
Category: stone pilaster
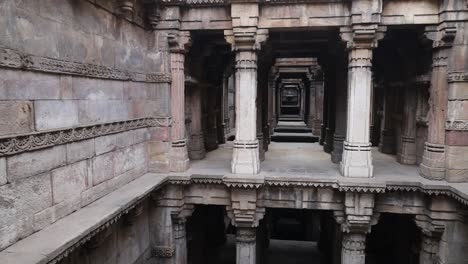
[178,42]
[272,102]
[407,152]
[197,142]
[357,159]
[433,161]
[319,97]
[245,39]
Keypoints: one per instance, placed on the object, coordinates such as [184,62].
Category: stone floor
[308,161]
[279,252]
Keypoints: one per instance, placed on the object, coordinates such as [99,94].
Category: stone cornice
[10,145]
[10,58]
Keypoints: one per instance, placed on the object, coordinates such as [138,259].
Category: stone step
[294,137]
[293,129]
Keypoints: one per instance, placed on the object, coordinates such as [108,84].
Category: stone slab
[80,150]
[48,243]
[3,173]
[35,162]
[16,117]
[55,114]
[69,181]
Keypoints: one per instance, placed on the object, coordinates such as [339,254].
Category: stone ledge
[57,240]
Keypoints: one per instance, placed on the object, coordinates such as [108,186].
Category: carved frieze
[461,125]
[10,58]
[163,252]
[457,77]
[32,141]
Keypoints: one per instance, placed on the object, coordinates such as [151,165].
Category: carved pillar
[433,162]
[407,152]
[225,107]
[180,240]
[302,106]
[356,221]
[331,82]
[197,143]
[340,113]
[357,160]
[178,43]
[245,245]
[387,140]
[272,103]
[245,39]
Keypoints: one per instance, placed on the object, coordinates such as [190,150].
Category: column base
[387,142]
[245,157]
[197,147]
[337,153]
[407,153]
[178,155]
[433,163]
[357,160]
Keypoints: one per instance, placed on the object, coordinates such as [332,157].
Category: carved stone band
[14,59]
[179,143]
[356,146]
[431,147]
[456,125]
[246,144]
[457,77]
[38,140]
[163,252]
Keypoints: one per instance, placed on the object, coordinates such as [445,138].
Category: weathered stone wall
[52,49]
[125,242]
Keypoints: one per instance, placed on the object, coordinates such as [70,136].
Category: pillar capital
[246,39]
[362,36]
[442,35]
[179,41]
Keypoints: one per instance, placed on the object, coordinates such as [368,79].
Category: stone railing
[15,144]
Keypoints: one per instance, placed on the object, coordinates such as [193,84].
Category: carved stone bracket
[365,36]
[358,215]
[179,41]
[243,210]
[10,145]
[441,35]
[11,58]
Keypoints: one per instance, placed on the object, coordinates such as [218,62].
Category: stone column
[245,245]
[312,113]
[357,160]
[387,140]
[261,149]
[225,107]
[340,113]
[319,97]
[180,241]
[272,102]
[302,102]
[211,137]
[178,43]
[433,161]
[197,143]
[407,153]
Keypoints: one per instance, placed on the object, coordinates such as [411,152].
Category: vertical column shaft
[428,252]
[433,162]
[180,242]
[245,158]
[178,154]
[319,97]
[340,115]
[197,143]
[245,245]
[357,160]
[387,141]
[407,153]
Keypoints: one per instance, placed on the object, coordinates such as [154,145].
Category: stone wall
[68,64]
[125,242]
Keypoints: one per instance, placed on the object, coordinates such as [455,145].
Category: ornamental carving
[457,125]
[14,59]
[38,140]
[163,252]
[457,77]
